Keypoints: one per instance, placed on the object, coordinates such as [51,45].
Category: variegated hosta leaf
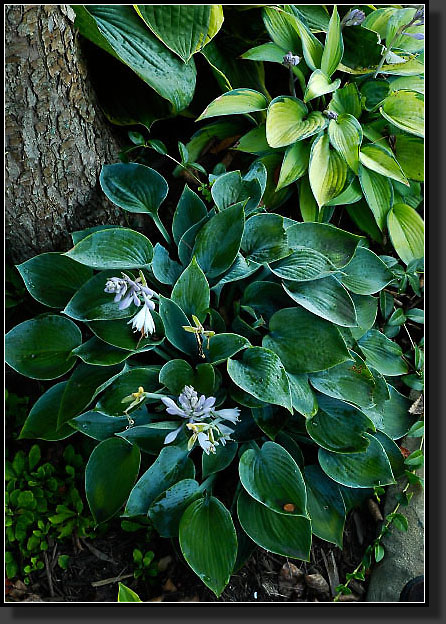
[378,191]
[295,164]
[378,159]
[319,84]
[327,171]
[405,109]
[406,229]
[288,121]
[311,46]
[345,134]
[237,101]
[334,45]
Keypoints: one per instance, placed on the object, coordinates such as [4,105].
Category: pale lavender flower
[355,17]
[418,36]
[143,321]
[291,60]
[128,287]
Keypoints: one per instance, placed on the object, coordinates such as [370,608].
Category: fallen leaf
[317,583]
[169,586]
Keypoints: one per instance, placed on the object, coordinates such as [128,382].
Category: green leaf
[338,427]
[270,419]
[237,101]
[378,191]
[134,187]
[42,420]
[119,333]
[393,453]
[362,50]
[261,373]
[189,211]
[41,348]
[165,270]
[304,342]
[174,320]
[417,430]
[312,47]
[405,109]
[319,84]
[176,374]
[106,489]
[378,159]
[307,204]
[408,83]
[253,142]
[172,465]
[281,31]
[400,522]
[264,238]
[124,384]
[294,165]
[327,171]
[391,415]
[101,426]
[114,248]
[379,552]
[166,510]
[240,269]
[265,298]
[334,45]
[360,470]
[191,291]
[224,346]
[99,353]
[409,152]
[326,298]
[406,229]
[288,121]
[214,254]
[214,462]
[282,534]
[125,594]
[182,28]
[272,477]
[303,265]
[230,188]
[366,273]
[345,134]
[150,437]
[52,278]
[211,559]
[366,309]
[325,506]
[350,195]
[382,353]
[119,31]
[302,396]
[346,101]
[267,51]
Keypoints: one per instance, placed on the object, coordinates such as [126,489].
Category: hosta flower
[291,60]
[128,287]
[143,321]
[192,407]
[355,17]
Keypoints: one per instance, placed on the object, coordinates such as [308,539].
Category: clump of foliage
[250,359]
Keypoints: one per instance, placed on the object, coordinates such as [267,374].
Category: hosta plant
[235,377]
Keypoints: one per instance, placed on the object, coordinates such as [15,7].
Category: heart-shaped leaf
[261,373]
[365,274]
[210,558]
[303,398]
[272,477]
[325,506]
[237,101]
[107,490]
[334,45]
[191,291]
[230,188]
[214,462]
[405,109]
[327,171]
[304,342]
[134,187]
[127,382]
[294,165]
[176,374]
[150,437]
[378,159]
[337,245]
[285,535]
[166,510]
[288,121]
[378,191]
[345,134]
[264,238]
[41,422]
[174,320]
[224,346]
[319,84]
[41,347]
[406,229]
[382,353]
[303,265]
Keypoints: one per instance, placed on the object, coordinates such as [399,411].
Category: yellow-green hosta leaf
[378,159]
[346,100]
[409,152]
[319,84]
[408,83]
[334,45]
[405,109]
[327,171]
[345,134]
[216,20]
[311,46]
[295,164]
[406,229]
[235,102]
[288,121]
[378,191]
[266,52]
[281,31]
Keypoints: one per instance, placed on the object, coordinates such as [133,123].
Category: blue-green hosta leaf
[41,347]
[366,273]
[302,396]
[406,229]
[224,346]
[150,437]
[346,101]
[326,298]
[265,298]
[272,477]
[165,270]
[264,238]
[174,320]
[374,91]
[261,373]
[349,381]
[392,416]
[285,535]
[288,121]
[41,422]
[339,427]
[378,159]
[127,382]
[99,426]
[107,490]
[189,211]
[393,453]
[115,248]
[284,35]
[366,309]
[215,254]
[319,84]
[240,269]
[52,278]
[378,191]
[325,506]
[345,134]
[100,353]
[294,165]
[327,171]
[337,245]
[120,31]
[366,469]
[304,342]
[405,109]
[166,510]
[119,333]
[208,542]
[270,419]
[382,353]
[176,374]
[172,465]
[334,45]
[214,462]
[237,101]
[191,291]
[409,151]
[230,189]
[267,51]
[303,265]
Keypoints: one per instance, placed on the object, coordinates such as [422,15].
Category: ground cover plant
[242,376]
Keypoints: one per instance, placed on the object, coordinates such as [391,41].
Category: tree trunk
[57,139]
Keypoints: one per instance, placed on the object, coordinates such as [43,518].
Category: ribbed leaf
[294,165]
[319,84]
[327,171]
[409,151]
[405,109]
[288,121]
[281,31]
[235,102]
[406,229]
[224,346]
[382,353]
[334,45]
[303,265]
[337,245]
[264,238]
[346,101]
[378,191]
[378,159]
[366,273]
[345,134]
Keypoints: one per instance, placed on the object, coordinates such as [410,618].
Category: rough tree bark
[56,137]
